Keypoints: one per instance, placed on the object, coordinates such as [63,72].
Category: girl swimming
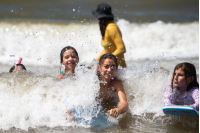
[184,89]
[110,86]
[69,58]
[17,66]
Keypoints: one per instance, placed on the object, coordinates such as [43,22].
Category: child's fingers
[110,112]
[68,112]
[113,112]
[116,113]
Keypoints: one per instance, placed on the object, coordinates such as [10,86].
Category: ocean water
[37,102]
[157,36]
[80,11]
[40,43]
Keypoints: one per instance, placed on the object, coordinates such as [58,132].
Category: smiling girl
[110,86]
[184,89]
[69,58]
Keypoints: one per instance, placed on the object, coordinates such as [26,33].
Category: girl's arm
[122,98]
[116,36]
[195,96]
[167,96]
[60,76]
[102,53]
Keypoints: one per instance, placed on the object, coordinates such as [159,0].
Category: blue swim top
[63,73]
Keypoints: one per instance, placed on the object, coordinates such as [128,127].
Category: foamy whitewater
[40,43]
[33,99]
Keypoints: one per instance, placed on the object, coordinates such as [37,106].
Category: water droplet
[12,55]
[73,10]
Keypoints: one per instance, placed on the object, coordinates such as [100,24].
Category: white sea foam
[41,43]
[32,100]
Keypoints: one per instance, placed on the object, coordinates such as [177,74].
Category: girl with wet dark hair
[69,58]
[17,67]
[184,88]
[111,88]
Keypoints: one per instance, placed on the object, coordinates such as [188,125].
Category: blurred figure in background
[111,37]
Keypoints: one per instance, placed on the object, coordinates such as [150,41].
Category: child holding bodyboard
[183,92]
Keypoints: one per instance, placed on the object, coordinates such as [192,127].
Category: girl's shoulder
[112,26]
[194,89]
[168,87]
[116,81]
[117,84]
[60,76]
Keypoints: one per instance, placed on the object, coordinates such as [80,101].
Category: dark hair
[103,22]
[13,67]
[189,71]
[65,49]
[106,56]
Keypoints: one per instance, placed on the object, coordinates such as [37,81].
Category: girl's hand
[113,112]
[70,116]
[91,65]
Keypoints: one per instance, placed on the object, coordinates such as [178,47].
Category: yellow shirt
[113,43]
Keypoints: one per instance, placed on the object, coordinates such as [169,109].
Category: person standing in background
[111,37]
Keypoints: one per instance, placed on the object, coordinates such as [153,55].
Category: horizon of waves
[30,100]
[39,43]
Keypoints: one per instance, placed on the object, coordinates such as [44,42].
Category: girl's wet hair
[103,22]
[13,67]
[189,71]
[65,49]
[106,56]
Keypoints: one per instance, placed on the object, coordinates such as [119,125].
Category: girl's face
[70,59]
[107,69]
[180,80]
[19,67]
